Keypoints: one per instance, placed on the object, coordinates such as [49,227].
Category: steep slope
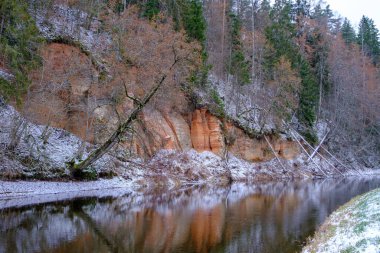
[72,92]
[94,69]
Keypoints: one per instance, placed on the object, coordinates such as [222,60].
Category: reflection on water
[272,217]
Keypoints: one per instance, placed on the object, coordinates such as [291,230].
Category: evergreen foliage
[239,66]
[348,32]
[194,22]
[368,39]
[186,14]
[19,41]
[280,37]
[318,42]
[308,95]
[151,9]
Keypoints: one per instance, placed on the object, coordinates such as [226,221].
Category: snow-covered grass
[354,227]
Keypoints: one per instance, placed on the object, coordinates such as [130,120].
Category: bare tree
[122,129]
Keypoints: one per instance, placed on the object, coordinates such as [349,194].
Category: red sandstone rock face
[207,135]
[67,94]
[59,92]
[199,131]
[258,150]
[206,132]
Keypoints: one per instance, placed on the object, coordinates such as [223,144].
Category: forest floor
[354,227]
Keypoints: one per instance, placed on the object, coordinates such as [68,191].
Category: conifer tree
[368,39]
[348,32]
[19,41]
[151,8]
[281,35]
[239,66]
[193,21]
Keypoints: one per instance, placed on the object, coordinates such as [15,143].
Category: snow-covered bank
[28,188]
[29,150]
[42,152]
[354,227]
[22,193]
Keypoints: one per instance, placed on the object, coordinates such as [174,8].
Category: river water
[269,217]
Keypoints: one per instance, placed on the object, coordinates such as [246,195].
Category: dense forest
[268,67]
[300,63]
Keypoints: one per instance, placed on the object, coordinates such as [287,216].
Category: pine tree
[239,66]
[368,39]
[319,46]
[281,37]
[348,32]
[151,8]
[194,22]
[19,41]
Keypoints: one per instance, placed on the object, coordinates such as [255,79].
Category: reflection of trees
[261,218]
[76,209]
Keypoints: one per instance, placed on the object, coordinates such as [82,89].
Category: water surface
[271,217]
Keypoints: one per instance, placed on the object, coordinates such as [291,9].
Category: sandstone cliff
[68,94]
[81,89]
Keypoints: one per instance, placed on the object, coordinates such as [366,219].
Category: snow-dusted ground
[21,193]
[39,150]
[6,75]
[42,152]
[239,105]
[354,227]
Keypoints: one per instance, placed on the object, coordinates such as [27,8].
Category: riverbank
[238,216]
[40,152]
[23,193]
[354,227]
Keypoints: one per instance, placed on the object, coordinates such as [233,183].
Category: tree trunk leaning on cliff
[122,129]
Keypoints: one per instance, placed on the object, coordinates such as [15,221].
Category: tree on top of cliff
[368,39]
[19,42]
[348,32]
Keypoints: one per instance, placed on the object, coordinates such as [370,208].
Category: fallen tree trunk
[120,131]
[317,148]
[276,155]
[303,148]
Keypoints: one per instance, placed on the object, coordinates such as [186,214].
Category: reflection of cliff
[262,218]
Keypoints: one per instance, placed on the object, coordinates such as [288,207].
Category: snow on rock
[71,23]
[39,150]
[191,166]
[238,101]
[42,152]
[6,75]
[355,227]
[322,128]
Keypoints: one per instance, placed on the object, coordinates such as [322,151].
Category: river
[269,217]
